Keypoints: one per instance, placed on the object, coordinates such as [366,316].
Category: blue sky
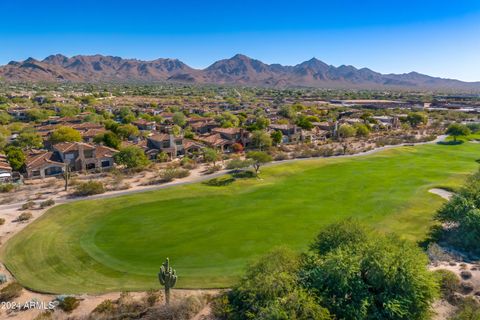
[440,38]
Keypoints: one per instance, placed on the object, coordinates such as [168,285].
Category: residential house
[290,132]
[18,113]
[143,124]
[235,135]
[42,164]
[82,156]
[171,145]
[5,169]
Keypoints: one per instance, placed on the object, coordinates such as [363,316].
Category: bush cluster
[25,216]
[68,304]
[350,272]
[47,203]
[6,187]
[89,188]
[11,291]
[221,181]
[169,174]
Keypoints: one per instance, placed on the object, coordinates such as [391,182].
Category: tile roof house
[41,164]
[173,146]
[290,132]
[234,135]
[78,155]
[5,169]
[143,124]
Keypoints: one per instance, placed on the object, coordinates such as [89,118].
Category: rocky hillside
[239,70]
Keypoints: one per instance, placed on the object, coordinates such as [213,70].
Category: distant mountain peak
[239,69]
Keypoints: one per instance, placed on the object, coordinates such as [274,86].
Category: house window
[88,154]
[69,156]
[36,173]
[52,171]
[90,166]
[105,163]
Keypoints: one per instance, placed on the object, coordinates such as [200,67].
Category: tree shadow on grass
[450,143]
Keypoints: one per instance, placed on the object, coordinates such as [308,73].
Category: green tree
[362,130]
[211,155]
[228,120]
[457,130]
[131,157]
[259,158]
[360,274]
[5,118]
[261,140]
[68,111]
[65,134]
[304,123]
[287,112]
[109,139]
[271,290]
[416,118]
[36,114]
[461,213]
[126,131]
[16,158]
[277,137]
[261,123]
[179,119]
[29,139]
[346,131]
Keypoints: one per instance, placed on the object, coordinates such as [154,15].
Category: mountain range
[238,70]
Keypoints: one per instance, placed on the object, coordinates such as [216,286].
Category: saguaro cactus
[168,278]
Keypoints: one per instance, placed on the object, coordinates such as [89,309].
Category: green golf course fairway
[211,233]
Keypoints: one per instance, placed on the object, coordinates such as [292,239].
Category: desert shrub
[163,157]
[47,203]
[169,174]
[28,205]
[2,221]
[326,151]
[106,306]
[466,287]
[465,274]
[188,163]
[213,169]
[25,216]
[6,187]
[152,297]
[11,291]
[68,304]
[436,253]
[305,154]
[46,315]
[220,181]
[185,309]
[238,164]
[280,156]
[89,188]
[449,283]
[468,309]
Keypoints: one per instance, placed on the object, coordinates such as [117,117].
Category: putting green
[210,233]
